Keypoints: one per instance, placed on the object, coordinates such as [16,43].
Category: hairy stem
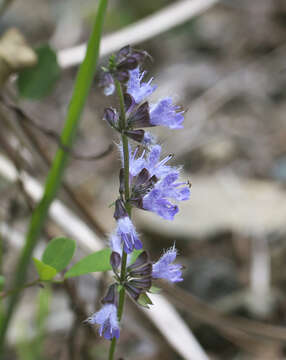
[128,207]
[81,89]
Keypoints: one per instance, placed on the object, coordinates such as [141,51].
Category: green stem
[81,89]
[1,254]
[128,207]
[2,280]
[4,294]
[124,145]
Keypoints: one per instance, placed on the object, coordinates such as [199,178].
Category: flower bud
[140,118]
[121,181]
[122,75]
[115,260]
[129,103]
[106,81]
[120,211]
[123,53]
[143,271]
[112,295]
[110,115]
[142,259]
[129,63]
[136,135]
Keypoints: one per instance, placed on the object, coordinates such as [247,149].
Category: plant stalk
[81,89]
[124,140]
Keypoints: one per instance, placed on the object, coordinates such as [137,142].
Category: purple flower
[157,199]
[106,317]
[151,162]
[164,269]
[165,113]
[128,235]
[166,186]
[107,83]
[116,246]
[158,204]
[138,89]
[136,164]
[115,243]
[155,166]
[111,116]
[127,59]
[148,139]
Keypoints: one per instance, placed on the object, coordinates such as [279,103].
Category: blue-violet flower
[128,235]
[138,89]
[166,114]
[163,113]
[164,269]
[156,200]
[106,317]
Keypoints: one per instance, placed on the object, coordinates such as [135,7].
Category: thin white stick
[142,30]
[260,299]
[63,216]
[166,318]
[174,329]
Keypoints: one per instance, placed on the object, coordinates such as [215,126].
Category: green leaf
[46,272]
[144,300]
[59,253]
[98,261]
[154,290]
[38,81]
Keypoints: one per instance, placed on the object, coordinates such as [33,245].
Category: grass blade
[81,89]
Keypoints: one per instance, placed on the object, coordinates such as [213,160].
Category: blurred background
[225,65]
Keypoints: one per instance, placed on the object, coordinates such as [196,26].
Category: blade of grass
[81,89]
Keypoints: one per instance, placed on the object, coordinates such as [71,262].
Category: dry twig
[151,26]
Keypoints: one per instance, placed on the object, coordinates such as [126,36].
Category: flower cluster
[119,66]
[154,183]
[148,183]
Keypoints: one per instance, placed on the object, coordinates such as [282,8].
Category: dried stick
[151,26]
[41,152]
[209,315]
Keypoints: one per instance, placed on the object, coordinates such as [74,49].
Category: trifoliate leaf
[45,272]
[59,253]
[98,261]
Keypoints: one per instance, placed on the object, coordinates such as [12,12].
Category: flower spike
[147,181]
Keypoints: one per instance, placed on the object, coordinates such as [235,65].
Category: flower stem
[128,207]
